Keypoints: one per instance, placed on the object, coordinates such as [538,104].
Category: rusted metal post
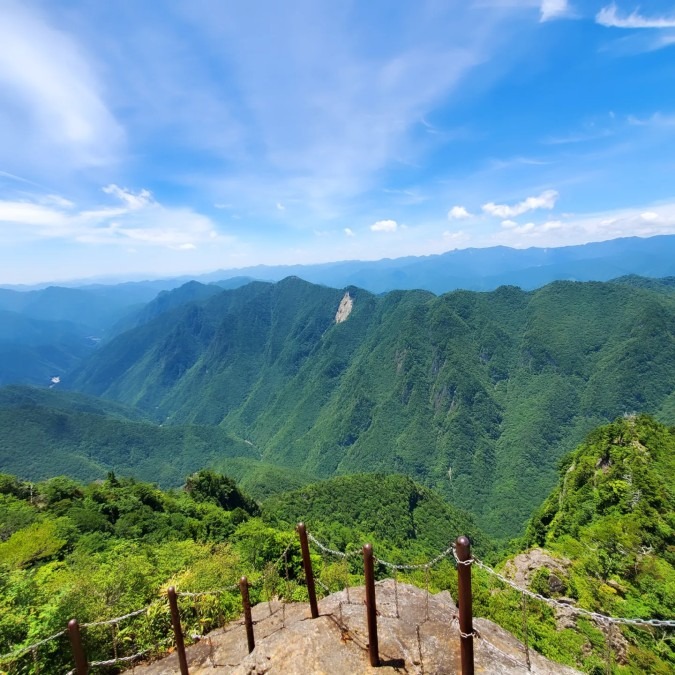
[371,609]
[177,630]
[463,547]
[248,620]
[307,564]
[81,665]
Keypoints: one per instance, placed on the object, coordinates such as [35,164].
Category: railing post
[307,565]
[81,665]
[463,547]
[371,609]
[248,619]
[177,630]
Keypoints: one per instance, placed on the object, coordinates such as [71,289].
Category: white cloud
[349,232]
[280,207]
[585,228]
[384,226]
[553,9]
[457,213]
[509,223]
[609,16]
[138,220]
[52,109]
[546,200]
[131,200]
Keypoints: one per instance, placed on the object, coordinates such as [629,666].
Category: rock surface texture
[418,633]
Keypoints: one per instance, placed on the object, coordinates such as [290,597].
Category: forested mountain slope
[476,394]
[46,433]
[608,530]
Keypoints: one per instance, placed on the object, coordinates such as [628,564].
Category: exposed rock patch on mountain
[418,633]
[345,308]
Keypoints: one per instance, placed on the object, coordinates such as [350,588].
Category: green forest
[113,546]
[477,395]
[183,448]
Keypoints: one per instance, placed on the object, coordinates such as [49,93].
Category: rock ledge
[418,633]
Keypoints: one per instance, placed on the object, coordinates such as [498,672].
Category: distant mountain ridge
[475,394]
[485,269]
[480,269]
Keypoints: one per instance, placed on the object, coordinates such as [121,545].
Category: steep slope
[475,394]
[166,301]
[610,522]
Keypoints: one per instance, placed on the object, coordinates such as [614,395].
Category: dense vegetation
[609,531]
[111,547]
[47,433]
[475,394]
[391,511]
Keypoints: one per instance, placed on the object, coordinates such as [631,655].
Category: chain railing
[459,551]
[597,616]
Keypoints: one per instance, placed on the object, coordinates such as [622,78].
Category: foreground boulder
[418,633]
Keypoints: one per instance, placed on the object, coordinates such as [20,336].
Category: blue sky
[152,139]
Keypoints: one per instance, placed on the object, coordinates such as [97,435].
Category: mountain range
[480,269]
[475,394]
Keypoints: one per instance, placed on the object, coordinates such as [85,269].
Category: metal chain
[200,594]
[121,659]
[657,623]
[422,566]
[325,588]
[326,549]
[468,562]
[13,655]
[117,619]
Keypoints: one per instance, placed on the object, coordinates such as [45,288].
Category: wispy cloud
[137,219]
[546,200]
[554,9]
[327,109]
[609,16]
[584,228]
[58,112]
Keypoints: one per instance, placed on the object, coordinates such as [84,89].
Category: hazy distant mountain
[476,394]
[485,269]
[479,269]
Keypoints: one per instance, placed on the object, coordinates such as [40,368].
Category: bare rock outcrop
[345,308]
[418,633]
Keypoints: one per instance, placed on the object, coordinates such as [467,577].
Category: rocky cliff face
[418,633]
[345,308]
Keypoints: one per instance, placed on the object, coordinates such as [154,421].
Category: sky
[143,140]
